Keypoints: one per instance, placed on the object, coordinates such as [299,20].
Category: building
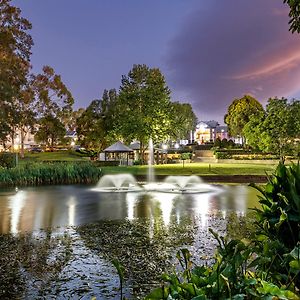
[209,131]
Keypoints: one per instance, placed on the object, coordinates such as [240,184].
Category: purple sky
[210,51]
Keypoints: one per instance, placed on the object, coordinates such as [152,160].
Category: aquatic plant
[50,173]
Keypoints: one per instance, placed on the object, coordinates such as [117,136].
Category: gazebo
[119,150]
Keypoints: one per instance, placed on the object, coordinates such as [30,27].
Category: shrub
[8,160]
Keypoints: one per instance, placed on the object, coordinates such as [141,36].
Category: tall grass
[50,173]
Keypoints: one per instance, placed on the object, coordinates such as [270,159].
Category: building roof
[118,147]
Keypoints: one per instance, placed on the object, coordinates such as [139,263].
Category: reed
[50,173]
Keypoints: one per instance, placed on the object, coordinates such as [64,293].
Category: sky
[210,51]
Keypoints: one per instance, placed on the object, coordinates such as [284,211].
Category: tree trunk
[22,135]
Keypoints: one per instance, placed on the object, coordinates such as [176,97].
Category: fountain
[117,183]
[172,184]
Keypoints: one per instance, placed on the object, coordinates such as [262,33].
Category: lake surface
[34,208]
[58,242]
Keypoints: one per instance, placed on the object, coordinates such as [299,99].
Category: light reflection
[240,200]
[16,204]
[202,206]
[166,205]
[130,201]
[71,211]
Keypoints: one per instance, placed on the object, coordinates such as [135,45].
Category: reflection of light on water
[130,201]
[240,200]
[165,201]
[16,204]
[201,207]
[71,211]
[224,214]
[166,204]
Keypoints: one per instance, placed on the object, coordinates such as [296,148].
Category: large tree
[95,126]
[51,130]
[53,99]
[278,129]
[15,51]
[239,113]
[144,107]
[183,120]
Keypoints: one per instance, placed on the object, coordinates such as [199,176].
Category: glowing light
[16,205]
[202,206]
[71,211]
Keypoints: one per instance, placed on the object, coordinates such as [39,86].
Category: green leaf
[282,219]
[295,264]
[158,294]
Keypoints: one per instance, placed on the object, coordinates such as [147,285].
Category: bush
[106,163]
[8,160]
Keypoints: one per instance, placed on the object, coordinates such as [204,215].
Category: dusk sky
[210,51]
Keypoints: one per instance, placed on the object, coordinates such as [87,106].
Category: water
[142,229]
[34,208]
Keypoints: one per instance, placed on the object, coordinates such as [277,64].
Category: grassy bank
[50,173]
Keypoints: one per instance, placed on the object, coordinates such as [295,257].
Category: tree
[278,129]
[294,15]
[53,101]
[15,51]
[52,95]
[183,120]
[51,130]
[239,113]
[96,124]
[144,107]
[90,129]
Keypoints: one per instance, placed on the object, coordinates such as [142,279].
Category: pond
[60,240]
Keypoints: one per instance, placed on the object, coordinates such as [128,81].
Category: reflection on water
[41,207]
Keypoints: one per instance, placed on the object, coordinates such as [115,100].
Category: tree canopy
[294,15]
[277,129]
[183,120]
[144,107]
[239,113]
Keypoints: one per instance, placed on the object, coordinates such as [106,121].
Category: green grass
[195,169]
[53,156]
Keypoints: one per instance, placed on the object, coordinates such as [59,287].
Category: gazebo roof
[118,147]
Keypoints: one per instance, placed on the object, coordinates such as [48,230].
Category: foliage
[15,51]
[279,217]
[96,124]
[266,266]
[183,120]
[50,173]
[50,131]
[143,107]
[294,15]
[120,269]
[8,160]
[277,130]
[239,113]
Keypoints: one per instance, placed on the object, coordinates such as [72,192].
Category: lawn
[196,169]
[165,169]
[53,156]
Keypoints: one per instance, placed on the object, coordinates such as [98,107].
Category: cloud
[229,48]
